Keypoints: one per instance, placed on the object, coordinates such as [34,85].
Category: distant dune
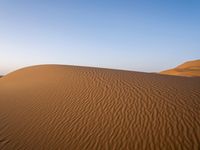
[191,68]
[67,107]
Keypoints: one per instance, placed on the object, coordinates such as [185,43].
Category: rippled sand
[67,107]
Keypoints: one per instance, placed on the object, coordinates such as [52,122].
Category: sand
[189,69]
[67,107]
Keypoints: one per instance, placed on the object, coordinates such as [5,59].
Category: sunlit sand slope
[65,107]
[191,68]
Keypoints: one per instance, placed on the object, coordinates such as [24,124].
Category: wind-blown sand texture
[190,68]
[67,107]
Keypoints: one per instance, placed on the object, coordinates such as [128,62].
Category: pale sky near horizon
[140,35]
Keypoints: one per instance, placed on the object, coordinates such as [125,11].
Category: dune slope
[190,68]
[68,107]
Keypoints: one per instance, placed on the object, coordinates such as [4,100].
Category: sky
[140,35]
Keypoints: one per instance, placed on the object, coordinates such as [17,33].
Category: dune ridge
[190,69]
[69,107]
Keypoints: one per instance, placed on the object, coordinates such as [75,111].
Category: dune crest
[190,69]
[68,107]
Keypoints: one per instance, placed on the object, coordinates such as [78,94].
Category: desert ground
[67,107]
[190,69]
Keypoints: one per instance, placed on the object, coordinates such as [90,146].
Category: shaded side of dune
[65,107]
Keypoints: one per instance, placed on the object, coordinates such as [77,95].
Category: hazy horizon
[147,36]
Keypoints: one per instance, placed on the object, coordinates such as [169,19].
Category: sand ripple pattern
[67,107]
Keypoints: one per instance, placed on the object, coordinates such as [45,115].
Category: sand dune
[68,107]
[191,68]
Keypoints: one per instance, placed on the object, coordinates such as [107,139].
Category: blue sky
[141,35]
